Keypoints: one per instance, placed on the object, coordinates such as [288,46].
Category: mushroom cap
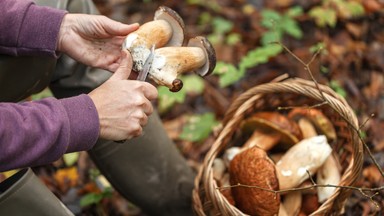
[274,122]
[176,22]
[318,119]
[253,167]
[210,54]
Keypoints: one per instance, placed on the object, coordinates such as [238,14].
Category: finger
[117,28]
[150,91]
[125,67]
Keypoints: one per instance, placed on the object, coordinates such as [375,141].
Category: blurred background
[347,34]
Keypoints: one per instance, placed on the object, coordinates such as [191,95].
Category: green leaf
[291,27]
[198,127]
[71,158]
[294,11]
[221,25]
[323,16]
[43,94]
[91,198]
[228,74]
[233,38]
[167,98]
[271,37]
[193,84]
[354,8]
[269,18]
[260,55]
[335,85]
[95,198]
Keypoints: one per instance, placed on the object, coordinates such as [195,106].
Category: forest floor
[352,63]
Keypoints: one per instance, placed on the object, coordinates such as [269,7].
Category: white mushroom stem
[307,128]
[327,174]
[265,141]
[169,62]
[306,156]
[292,203]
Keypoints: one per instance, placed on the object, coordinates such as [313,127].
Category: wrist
[64,32]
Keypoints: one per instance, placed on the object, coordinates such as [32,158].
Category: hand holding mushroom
[166,33]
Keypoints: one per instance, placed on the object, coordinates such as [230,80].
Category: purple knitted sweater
[39,132]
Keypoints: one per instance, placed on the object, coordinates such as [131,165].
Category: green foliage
[199,127]
[335,85]
[95,198]
[43,94]
[330,10]
[71,158]
[229,74]
[324,16]
[193,84]
[213,5]
[279,24]
[221,30]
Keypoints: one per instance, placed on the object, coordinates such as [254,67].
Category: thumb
[125,68]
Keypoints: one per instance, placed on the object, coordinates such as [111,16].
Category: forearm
[28,29]
[40,132]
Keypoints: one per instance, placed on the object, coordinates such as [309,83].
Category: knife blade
[147,65]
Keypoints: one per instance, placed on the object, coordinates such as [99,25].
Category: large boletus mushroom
[305,157]
[270,128]
[170,62]
[166,34]
[167,29]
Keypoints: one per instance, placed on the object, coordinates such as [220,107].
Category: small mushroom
[307,155]
[292,203]
[318,119]
[230,153]
[307,128]
[170,62]
[270,128]
[218,168]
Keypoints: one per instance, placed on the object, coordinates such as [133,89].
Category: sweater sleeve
[40,132]
[28,29]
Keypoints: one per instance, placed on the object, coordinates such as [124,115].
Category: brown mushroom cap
[252,167]
[318,119]
[176,22]
[210,54]
[274,122]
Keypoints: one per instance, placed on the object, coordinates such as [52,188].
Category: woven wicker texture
[208,200]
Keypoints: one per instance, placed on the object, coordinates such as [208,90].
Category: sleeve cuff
[84,122]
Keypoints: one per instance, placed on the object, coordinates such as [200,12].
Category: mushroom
[292,203]
[328,174]
[166,33]
[170,62]
[307,155]
[252,167]
[270,128]
[230,153]
[167,29]
[318,119]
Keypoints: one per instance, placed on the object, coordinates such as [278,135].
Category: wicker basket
[208,200]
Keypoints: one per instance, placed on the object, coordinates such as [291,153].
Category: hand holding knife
[144,73]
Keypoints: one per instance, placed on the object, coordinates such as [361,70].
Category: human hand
[123,105]
[93,40]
